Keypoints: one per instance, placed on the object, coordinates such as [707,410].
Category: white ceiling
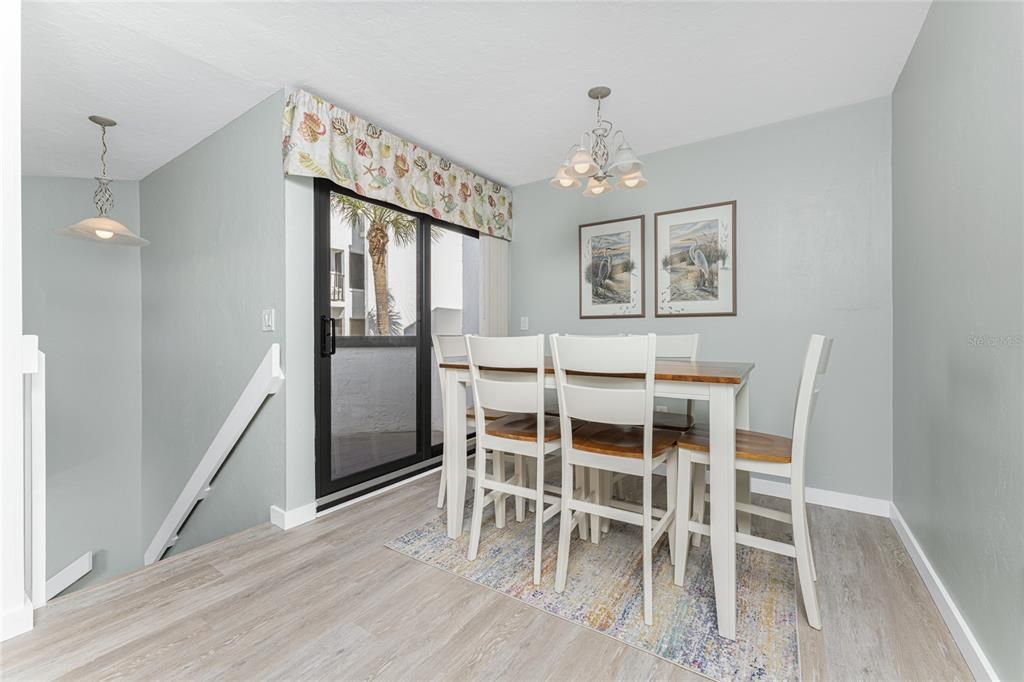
[498,87]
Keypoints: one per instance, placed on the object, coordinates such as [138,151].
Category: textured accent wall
[958,313]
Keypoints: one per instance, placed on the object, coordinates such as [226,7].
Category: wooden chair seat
[620,441]
[754,445]
[673,421]
[489,415]
[523,427]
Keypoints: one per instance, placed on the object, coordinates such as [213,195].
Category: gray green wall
[82,299]
[957,275]
[813,256]
[215,216]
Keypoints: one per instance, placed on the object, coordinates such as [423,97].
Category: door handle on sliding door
[328,346]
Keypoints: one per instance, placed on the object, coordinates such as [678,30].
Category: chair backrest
[815,365]
[678,346]
[507,374]
[447,347]
[609,380]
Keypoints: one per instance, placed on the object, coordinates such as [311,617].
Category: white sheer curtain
[494,286]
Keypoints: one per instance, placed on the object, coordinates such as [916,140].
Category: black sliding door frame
[427,455]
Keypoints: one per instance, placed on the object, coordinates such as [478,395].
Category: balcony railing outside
[337,286]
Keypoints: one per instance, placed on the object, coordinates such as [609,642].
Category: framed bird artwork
[612,268]
[695,261]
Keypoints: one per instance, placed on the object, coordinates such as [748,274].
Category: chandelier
[102,227]
[592,159]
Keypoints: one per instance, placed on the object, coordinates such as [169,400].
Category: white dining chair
[507,374]
[606,404]
[448,347]
[764,453]
[673,347]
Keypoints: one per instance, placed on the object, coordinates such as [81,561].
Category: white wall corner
[286,520]
[972,652]
[875,506]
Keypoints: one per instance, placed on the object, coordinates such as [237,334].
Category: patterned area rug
[604,592]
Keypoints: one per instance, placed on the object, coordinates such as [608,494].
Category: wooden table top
[664,370]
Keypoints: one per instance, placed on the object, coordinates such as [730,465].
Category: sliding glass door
[385,277]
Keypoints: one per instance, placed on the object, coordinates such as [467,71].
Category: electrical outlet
[661,408]
[269,323]
[524,324]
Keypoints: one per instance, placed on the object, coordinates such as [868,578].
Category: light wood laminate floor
[327,600]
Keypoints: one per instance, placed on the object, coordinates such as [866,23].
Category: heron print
[611,267]
[695,257]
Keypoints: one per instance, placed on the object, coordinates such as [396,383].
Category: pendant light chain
[103,197]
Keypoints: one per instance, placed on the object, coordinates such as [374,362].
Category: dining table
[725,387]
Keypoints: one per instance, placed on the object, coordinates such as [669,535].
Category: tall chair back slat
[678,346]
[506,395]
[616,385]
[507,374]
[816,362]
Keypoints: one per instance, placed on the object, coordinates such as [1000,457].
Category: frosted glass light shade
[632,180]
[625,161]
[596,188]
[581,164]
[102,229]
[563,180]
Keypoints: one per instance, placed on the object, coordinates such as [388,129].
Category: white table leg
[455,449]
[743,477]
[723,504]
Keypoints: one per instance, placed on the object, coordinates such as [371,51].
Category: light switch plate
[524,324]
[268,320]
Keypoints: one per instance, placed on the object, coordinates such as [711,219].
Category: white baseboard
[827,498]
[16,621]
[962,635]
[379,491]
[68,575]
[286,520]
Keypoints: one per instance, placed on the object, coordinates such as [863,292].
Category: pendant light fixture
[593,161]
[103,228]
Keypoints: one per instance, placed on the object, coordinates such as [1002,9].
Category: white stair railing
[264,382]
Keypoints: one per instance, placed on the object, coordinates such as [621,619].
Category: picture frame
[611,269]
[695,261]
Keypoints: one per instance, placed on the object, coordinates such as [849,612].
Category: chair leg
[684,486]
[697,490]
[538,530]
[531,473]
[648,551]
[801,543]
[564,528]
[499,501]
[743,495]
[478,506]
[580,474]
[606,498]
[595,496]
[810,547]
[520,476]
[444,479]
[672,474]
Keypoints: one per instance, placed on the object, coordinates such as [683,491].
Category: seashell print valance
[322,140]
